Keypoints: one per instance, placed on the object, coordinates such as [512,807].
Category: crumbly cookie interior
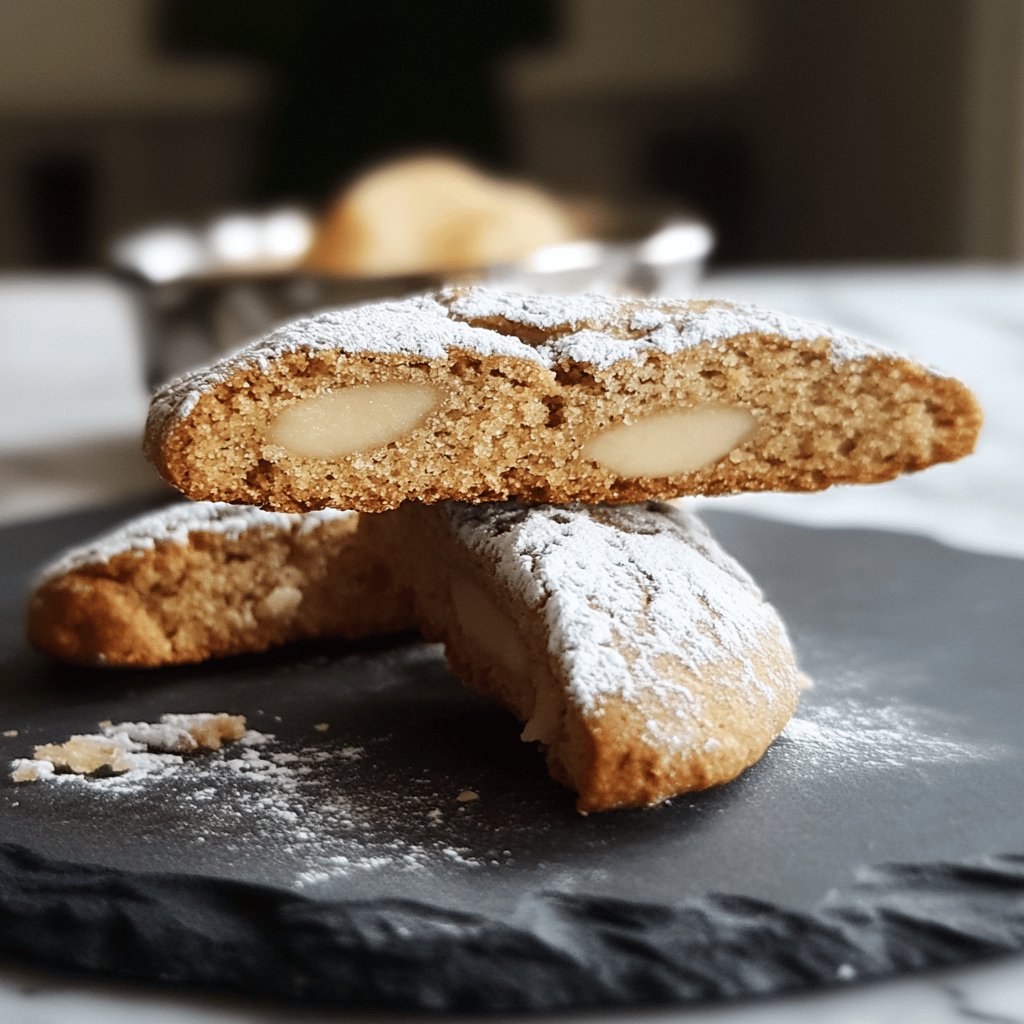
[538,413]
[217,594]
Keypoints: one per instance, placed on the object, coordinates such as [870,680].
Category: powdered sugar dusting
[600,331]
[623,590]
[418,327]
[30,769]
[295,802]
[174,524]
[555,330]
[830,737]
[181,734]
[130,749]
[555,314]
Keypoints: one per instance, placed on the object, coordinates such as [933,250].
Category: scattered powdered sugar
[174,524]
[93,764]
[180,734]
[626,590]
[314,813]
[321,808]
[28,769]
[160,736]
[555,331]
[832,737]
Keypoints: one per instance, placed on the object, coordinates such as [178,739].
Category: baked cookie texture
[641,657]
[479,395]
[195,581]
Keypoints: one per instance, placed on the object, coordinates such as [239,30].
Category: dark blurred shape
[861,129]
[802,129]
[709,168]
[358,81]
[59,196]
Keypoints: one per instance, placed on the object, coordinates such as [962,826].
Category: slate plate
[340,865]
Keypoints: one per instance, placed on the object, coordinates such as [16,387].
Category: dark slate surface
[908,752]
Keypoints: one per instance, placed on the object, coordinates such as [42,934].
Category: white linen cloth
[967,322]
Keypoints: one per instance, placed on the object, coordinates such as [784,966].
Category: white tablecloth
[967,321]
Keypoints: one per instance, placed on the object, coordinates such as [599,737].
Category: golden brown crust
[514,428]
[684,712]
[217,595]
[611,762]
[695,726]
[467,444]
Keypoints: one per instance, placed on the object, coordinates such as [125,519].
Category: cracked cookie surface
[477,395]
[199,580]
[641,656]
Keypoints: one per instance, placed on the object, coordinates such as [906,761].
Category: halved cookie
[482,396]
[642,657]
[199,580]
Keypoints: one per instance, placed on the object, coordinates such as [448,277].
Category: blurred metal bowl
[205,291]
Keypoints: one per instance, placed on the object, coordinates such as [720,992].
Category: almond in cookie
[478,395]
[642,659]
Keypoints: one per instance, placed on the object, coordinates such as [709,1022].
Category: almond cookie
[480,395]
[194,581]
[640,655]
[434,213]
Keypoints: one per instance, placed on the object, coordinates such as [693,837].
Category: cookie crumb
[467,796]
[88,755]
[255,738]
[122,748]
[10,732]
[322,726]
[27,769]
[210,730]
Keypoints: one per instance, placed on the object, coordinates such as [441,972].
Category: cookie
[194,581]
[637,653]
[480,395]
[642,658]
[434,214]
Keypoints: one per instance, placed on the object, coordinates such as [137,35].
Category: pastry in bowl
[427,214]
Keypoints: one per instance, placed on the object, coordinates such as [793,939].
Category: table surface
[71,408]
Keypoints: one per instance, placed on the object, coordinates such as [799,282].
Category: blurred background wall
[804,130]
